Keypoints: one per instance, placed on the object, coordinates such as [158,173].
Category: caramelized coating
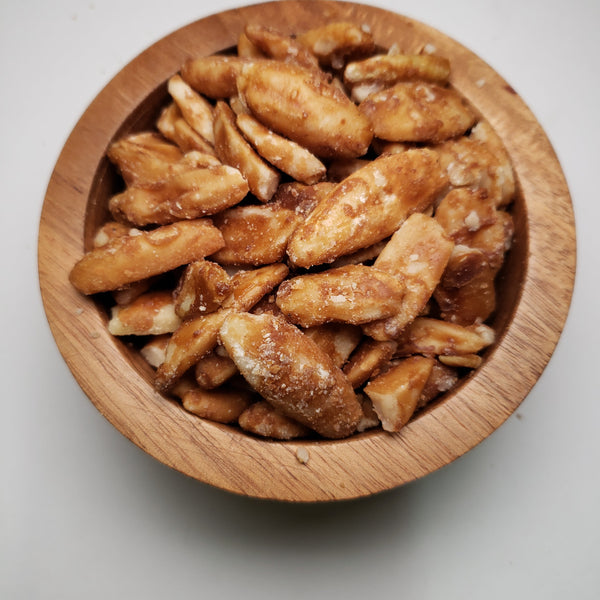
[152,313]
[213,370]
[110,231]
[493,240]
[463,211]
[333,43]
[255,235]
[233,149]
[393,68]
[471,302]
[262,419]
[367,207]
[352,294]
[143,158]
[287,156]
[434,337]
[469,162]
[221,406]
[417,112]
[196,110]
[276,45]
[191,194]
[442,379]
[417,254]
[292,373]
[395,394]
[197,336]
[302,106]
[302,199]
[337,340]
[144,254]
[368,360]
[201,289]
[176,129]
[213,76]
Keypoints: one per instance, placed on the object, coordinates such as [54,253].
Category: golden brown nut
[467,361]
[143,159]
[196,110]
[263,419]
[286,155]
[134,257]
[276,45]
[255,234]
[233,149]
[463,211]
[471,302]
[392,68]
[201,289]
[300,198]
[353,294]
[367,207]
[417,112]
[221,406]
[337,340]
[469,162]
[213,76]
[152,313]
[417,254]
[110,231]
[299,104]
[434,337]
[213,370]
[368,360]
[192,194]
[197,336]
[395,394]
[176,129]
[292,373]
[333,43]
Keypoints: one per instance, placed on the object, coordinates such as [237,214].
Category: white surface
[86,514]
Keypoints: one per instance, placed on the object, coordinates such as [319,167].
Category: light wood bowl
[535,289]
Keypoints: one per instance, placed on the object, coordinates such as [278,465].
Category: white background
[86,514]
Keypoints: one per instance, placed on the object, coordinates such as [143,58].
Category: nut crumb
[94,335]
[302,455]
[79,311]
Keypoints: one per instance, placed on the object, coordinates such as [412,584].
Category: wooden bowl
[535,288]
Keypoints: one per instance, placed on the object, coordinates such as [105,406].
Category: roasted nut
[233,149]
[263,419]
[292,373]
[149,314]
[417,254]
[221,406]
[395,394]
[392,68]
[367,207]
[286,155]
[143,254]
[353,294]
[255,234]
[201,289]
[303,106]
[417,112]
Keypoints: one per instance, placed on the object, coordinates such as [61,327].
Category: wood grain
[537,281]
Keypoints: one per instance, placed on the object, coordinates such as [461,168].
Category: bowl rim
[366,463]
